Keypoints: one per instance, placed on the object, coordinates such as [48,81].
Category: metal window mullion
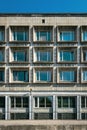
[38,105]
[68,102]
[45,102]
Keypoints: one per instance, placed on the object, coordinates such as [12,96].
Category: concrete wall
[43,125]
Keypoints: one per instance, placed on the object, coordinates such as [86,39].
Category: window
[84,76]
[1,56]
[43,56]
[43,76]
[66,102]
[67,76]
[67,116]
[2,102]
[43,36]
[67,56]
[1,75]
[43,101]
[21,116]
[19,56]
[84,116]
[84,36]
[43,116]
[20,76]
[67,36]
[17,102]
[84,102]
[20,36]
[1,35]
[85,56]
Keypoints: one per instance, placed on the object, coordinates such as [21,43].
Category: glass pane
[48,101]
[1,75]
[43,75]
[83,115]
[2,102]
[59,102]
[84,56]
[18,101]
[1,56]
[72,102]
[43,36]
[67,75]
[66,116]
[20,36]
[19,56]
[41,101]
[26,102]
[44,56]
[65,101]
[85,36]
[12,102]
[36,101]
[20,76]
[66,56]
[67,36]
[1,36]
[82,102]
[85,75]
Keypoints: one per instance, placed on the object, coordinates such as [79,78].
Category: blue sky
[43,6]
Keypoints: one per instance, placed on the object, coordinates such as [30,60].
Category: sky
[43,6]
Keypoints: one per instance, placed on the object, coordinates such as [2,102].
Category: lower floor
[43,105]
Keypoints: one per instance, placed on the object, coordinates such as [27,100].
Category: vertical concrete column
[78,107]
[30,105]
[54,107]
[7,107]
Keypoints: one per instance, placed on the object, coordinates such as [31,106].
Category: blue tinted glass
[44,56]
[37,35]
[19,56]
[67,36]
[67,75]
[66,56]
[85,75]
[43,75]
[1,56]
[20,36]
[43,35]
[1,36]
[20,76]
[85,36]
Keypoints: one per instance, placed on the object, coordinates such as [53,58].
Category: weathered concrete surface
[43,125]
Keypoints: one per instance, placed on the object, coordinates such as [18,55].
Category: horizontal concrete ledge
[43,122]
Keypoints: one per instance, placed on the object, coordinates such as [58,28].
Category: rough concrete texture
[43,125]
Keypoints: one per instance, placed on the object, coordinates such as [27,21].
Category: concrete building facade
[43,66]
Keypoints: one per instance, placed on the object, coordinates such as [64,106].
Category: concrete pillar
[78,107]
[7,108]
[54,107]
[30,106]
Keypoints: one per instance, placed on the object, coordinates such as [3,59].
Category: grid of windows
[61,46]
